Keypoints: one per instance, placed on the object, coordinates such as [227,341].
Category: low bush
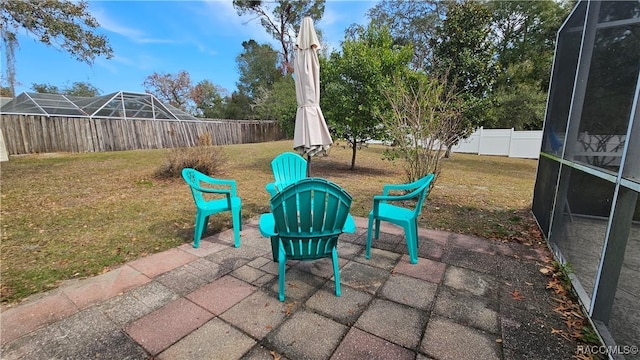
[206,159]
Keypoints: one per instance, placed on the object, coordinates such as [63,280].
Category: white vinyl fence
[503,142]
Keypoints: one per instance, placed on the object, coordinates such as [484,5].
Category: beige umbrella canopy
[311,135]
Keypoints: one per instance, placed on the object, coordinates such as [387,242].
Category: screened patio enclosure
[121,105]
[586,193]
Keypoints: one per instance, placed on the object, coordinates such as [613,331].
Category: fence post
[510,142]
[4,154]
[479,139]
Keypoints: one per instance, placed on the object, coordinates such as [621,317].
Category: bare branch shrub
[206,159]
[422,121]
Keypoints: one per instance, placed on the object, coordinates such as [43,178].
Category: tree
[278,103]
[281,19]
[524,34]
[525,31]
[422,121]
[80,88]
[209,99]
[464,54]
[520,106]
[411,22]
[258,67]
[45,88]
[174,89]
[352,83]
[61,23]
[237,106]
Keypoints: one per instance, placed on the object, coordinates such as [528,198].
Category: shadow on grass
[328,167]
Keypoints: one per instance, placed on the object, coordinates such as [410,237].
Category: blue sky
[201,37]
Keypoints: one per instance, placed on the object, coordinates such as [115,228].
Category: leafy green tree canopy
[65,24]
[45,88]
[78,88]
[258,67]
[411,22]
[526,31]
[352,83]
[81,88]
[463,53]
[278,103]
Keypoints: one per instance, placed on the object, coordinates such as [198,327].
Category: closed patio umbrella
[311,135]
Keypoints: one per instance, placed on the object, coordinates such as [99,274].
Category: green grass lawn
[69,216]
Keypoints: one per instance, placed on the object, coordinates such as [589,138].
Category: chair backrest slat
[309,216]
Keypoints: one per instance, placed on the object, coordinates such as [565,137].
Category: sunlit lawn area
[67,216]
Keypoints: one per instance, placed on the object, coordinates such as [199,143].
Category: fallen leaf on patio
[275,356]
[528,283]
[269,327]
[576,314]
[576,334]
[556,285]
[499,341]
[572,323]
[546,270]
[556,331]
[516,295]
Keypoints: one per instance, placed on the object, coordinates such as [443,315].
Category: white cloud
[135,35]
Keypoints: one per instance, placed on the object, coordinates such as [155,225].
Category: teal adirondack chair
[405,217]
[305,222]
[213,196]
[287,168]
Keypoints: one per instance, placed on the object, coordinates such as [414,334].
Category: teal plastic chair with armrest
[383,210]
[306,219]
[287,168]
[213,196]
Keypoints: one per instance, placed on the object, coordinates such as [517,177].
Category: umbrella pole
[308,165]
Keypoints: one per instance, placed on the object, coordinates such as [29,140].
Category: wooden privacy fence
[24,134]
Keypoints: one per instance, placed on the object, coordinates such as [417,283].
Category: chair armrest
[349,225]
[410,186]
[231,191]
[411,195]
[272,189]
[267,225]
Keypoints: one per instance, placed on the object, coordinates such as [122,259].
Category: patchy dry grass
[75,215]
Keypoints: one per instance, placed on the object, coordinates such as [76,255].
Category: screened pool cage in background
[118,105]
[586,193]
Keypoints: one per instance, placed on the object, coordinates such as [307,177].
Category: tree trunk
[354,148]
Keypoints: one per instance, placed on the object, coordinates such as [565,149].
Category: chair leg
[197,230]
[281,273]
[205,225]
[237,224]
[411,235]
[377,229]
[368,252]
[336,270]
